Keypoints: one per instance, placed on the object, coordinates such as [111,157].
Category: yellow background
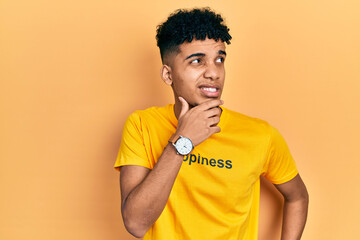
[72,71]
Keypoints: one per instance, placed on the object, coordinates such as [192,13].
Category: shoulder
[242,122]
[155,110]
[150,114]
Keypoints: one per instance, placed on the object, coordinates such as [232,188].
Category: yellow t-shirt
[216,193]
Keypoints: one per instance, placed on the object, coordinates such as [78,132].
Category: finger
[210,104]
[184,107]
[216,111]
[215,129]
[213,121]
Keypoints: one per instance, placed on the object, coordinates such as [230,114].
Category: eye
[220,60]
[195,61]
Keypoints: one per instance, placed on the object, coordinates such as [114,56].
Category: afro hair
[186,25]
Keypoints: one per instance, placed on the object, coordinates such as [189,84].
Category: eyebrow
[221,52]
[195,55]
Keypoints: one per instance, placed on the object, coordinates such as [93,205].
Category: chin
[196,103]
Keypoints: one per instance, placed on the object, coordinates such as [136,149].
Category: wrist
[174,138]
[182,145]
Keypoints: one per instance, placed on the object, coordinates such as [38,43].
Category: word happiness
[205,161]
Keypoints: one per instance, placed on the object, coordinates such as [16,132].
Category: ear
[166,74]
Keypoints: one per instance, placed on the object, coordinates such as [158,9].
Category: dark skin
[144,192]
[295,207]
[196,74]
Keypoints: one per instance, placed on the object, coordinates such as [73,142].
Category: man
[191,170]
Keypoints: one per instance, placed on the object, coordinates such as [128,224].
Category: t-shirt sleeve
[132,149]
[279,166]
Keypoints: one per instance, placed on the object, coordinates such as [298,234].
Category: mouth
[210,91]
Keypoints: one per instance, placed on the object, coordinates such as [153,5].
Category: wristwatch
[183,145]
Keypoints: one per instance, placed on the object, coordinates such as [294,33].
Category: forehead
[201,46]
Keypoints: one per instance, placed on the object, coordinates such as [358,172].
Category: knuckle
[217,102]
[214,111]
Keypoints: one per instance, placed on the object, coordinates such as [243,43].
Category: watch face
[184,146]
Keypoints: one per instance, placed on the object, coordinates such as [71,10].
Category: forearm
[145,192]
[294,219]
[145,202]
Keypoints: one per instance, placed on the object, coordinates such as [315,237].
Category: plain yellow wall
[71,72]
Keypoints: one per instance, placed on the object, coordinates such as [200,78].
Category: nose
[212,71]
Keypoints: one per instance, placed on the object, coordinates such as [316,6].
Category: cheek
[187,79]
[194,74]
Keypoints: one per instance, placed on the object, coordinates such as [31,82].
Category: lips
[210,91]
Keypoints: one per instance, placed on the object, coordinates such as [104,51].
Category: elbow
[134,227]
[301,200]
[306,200]
[305,197]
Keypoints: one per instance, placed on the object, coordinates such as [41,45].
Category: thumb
[184,107]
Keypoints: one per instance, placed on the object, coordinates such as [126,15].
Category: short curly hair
[186,25]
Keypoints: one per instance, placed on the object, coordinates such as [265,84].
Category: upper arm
[293,190]
[130,177]
[279,166]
